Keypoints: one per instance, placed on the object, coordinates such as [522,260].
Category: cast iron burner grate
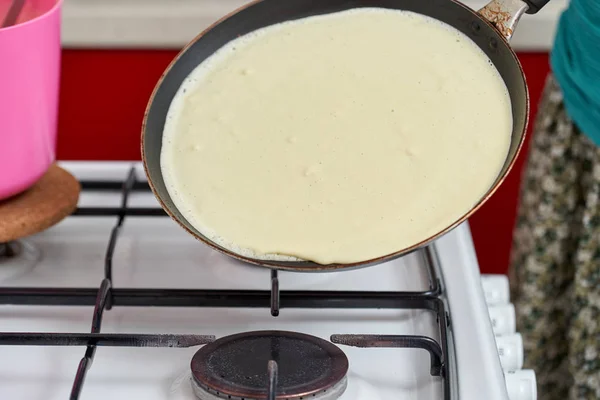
[233,367]
[107,296]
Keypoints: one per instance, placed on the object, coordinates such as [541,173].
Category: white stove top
[154,252]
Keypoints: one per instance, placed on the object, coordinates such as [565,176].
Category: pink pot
[29,80]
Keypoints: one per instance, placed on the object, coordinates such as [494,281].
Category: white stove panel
[154,252]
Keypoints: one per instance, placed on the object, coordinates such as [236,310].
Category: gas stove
[172,319]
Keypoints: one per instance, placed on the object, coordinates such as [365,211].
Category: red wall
[104,95]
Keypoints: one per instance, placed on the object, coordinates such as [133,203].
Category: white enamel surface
[479,367]
[28,257]
[156,253]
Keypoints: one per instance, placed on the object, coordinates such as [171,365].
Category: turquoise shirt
[575,62]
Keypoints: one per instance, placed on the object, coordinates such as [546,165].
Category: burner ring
[235,367]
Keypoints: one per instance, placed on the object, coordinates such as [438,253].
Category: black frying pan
[490,29]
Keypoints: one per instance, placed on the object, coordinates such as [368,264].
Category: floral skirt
[555,263]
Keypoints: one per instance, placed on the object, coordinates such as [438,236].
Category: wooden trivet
[46,203]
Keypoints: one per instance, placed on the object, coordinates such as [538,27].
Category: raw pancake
[336,138]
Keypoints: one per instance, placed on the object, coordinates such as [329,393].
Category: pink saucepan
[29,80]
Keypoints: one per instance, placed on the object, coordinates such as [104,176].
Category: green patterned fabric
[555,271]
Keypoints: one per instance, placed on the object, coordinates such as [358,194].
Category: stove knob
[496,289]
[521,385]
[510,350]
[503,319]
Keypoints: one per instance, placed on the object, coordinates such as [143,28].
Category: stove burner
[235,367]
[16,259]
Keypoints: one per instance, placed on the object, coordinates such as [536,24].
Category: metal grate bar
[104,298]
[82,369]
[397,341]
[103,339]
[218,298]
[103,186]
[435,285]
[438,352]
[90,351]
[127,185]
[444,324]
[275,294]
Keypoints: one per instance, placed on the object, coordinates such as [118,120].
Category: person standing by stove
[555,263]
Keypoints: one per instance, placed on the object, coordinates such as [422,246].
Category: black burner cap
[236,365]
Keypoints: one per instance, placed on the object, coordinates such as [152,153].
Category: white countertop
[164,24]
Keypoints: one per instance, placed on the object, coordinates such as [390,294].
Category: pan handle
[505,14]
[535,5]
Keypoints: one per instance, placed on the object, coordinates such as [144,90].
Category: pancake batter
[336,138]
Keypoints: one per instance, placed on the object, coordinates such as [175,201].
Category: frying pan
[490,28]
